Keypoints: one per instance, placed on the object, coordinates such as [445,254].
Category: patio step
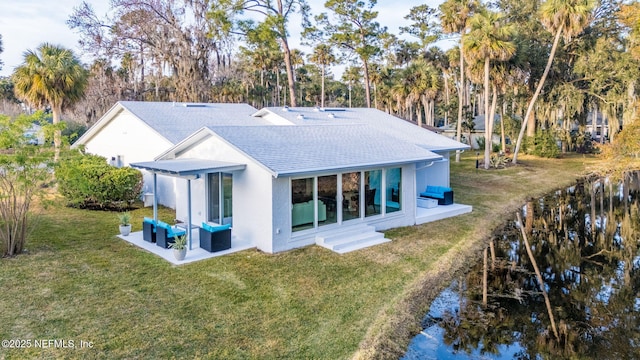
[343,241]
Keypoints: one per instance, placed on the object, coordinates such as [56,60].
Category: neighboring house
[133,131]
[450,131]
[600,131]
[302,176]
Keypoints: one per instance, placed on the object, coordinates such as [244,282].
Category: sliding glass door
[220,208]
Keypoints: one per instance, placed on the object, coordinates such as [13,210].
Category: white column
[155,199]
[189,212]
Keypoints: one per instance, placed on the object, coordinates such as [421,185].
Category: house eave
[311,171]
[187,168]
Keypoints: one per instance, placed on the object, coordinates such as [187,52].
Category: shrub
[498,161]
[87,181]
[543,144]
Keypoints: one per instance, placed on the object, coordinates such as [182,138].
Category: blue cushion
[214,228]
[171,231]
[437,189]
[148,220]
[163,225]
[438,195]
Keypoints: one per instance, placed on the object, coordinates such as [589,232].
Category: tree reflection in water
[585,241]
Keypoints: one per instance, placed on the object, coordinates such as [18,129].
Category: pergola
[189,169]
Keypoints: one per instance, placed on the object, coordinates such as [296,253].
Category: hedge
[88,181]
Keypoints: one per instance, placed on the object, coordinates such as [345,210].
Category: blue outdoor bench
[443,194]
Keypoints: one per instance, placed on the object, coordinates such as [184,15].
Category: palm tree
[488,40]
[563,18]
[323,56]
[453,17]
[51,75]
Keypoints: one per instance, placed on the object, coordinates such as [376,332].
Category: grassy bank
[79,282]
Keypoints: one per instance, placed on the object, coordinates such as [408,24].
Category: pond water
[584,242]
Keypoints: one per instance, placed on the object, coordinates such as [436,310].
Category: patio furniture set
[212,237]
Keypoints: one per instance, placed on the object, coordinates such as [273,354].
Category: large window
[302,209]
[337,198]
[393,180]
[372,193]
[350,196]
[327,200]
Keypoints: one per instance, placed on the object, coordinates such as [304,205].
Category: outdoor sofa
[443,194]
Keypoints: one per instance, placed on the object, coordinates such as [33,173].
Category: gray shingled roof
[176,121]
[377,119]
[288,150]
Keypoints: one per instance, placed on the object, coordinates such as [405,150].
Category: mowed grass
[78,281]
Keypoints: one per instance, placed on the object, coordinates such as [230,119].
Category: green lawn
[78,281]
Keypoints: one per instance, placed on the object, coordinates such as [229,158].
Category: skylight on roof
[189,105]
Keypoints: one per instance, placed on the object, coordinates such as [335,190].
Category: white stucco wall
[127,136]
[252,212]
[435,174]
[281,208]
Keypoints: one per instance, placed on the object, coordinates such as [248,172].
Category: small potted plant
[125,223]
[179,247]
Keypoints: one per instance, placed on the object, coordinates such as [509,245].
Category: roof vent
[194,105]
[317,109]
[331,116]
[300,117]
[285,108]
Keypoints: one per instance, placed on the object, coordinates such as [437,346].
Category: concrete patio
[196,254]
[424,215]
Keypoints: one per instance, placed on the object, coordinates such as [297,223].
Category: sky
[26,24]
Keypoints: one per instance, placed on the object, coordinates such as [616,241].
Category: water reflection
[584,240]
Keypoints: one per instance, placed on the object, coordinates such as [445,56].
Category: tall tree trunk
[487,121]
[503,139]
[290,76]
[367,90]
[322,89]
[57,133]
[277,86]
[492,116]
[460,103]
[556,40]
[447,98]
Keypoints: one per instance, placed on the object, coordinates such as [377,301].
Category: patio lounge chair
[215,238]
[165,234]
